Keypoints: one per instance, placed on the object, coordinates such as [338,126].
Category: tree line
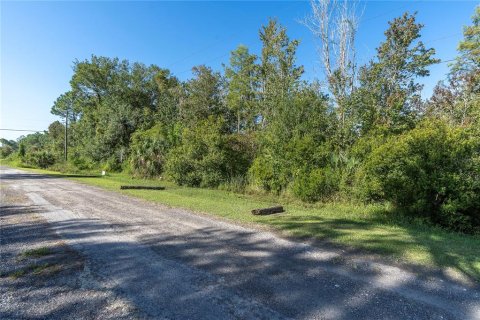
[258,127]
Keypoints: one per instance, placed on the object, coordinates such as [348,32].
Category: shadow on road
[287,279]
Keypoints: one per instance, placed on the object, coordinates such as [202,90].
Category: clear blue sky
[39,41]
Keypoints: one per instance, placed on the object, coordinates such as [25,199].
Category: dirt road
[125,257]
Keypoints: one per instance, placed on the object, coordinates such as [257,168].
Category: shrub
[5,151]
[239,151]
[206,157]
[275,166]
[81,162]
[40,159]
[112,164]
[22,150]
[269,172]
[317,184]
[432,171]
[149,149]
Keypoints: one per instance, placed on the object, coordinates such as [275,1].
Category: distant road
[164,263]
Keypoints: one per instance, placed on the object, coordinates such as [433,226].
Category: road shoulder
[36,263]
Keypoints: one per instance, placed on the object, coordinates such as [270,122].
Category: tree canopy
[257,126]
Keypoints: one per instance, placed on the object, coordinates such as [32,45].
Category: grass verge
[373,228]
[35,253]
[35,269]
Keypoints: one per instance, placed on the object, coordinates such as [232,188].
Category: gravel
[115,256]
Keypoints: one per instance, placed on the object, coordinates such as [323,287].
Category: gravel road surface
[106,255]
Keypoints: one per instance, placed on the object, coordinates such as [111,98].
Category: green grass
[44,268]
[373,228]
[35,269]
[18,273]
[39,252]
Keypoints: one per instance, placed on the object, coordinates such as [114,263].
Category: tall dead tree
[334,23]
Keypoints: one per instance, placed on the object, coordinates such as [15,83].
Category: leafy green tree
[22,150]
[390,94]
[468,62]
[203,97]
[65,104]
[109,99]
[458,98]
[7,147]
[34,142]
[279,76]
[242,77]
[291,142]
[309,113]
[169,94]
[34,150]
[281,109]
[56,137]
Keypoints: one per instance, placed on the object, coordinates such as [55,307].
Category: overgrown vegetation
[376,228]
[258,128]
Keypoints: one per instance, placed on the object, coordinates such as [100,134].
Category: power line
[215,43]
[22,130]
[205,62]
[387,12]
[443,37]
[249,42]
[192,54]
[444,61]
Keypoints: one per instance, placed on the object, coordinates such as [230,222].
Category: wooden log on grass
[265,211]
[141,188]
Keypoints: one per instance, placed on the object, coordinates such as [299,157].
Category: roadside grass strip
[374,228]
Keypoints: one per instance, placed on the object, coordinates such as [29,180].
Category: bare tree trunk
[335,23]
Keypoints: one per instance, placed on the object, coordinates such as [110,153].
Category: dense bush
[313,170]
[22,150]
[7,147]
[431,171]
[239,151]
[269,173]
[279,159]
[79,161]
[112,164]
[149,149]
[317,184]
[5,151]
[40,159]
[206,157]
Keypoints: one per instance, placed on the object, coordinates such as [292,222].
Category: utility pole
[66,136]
